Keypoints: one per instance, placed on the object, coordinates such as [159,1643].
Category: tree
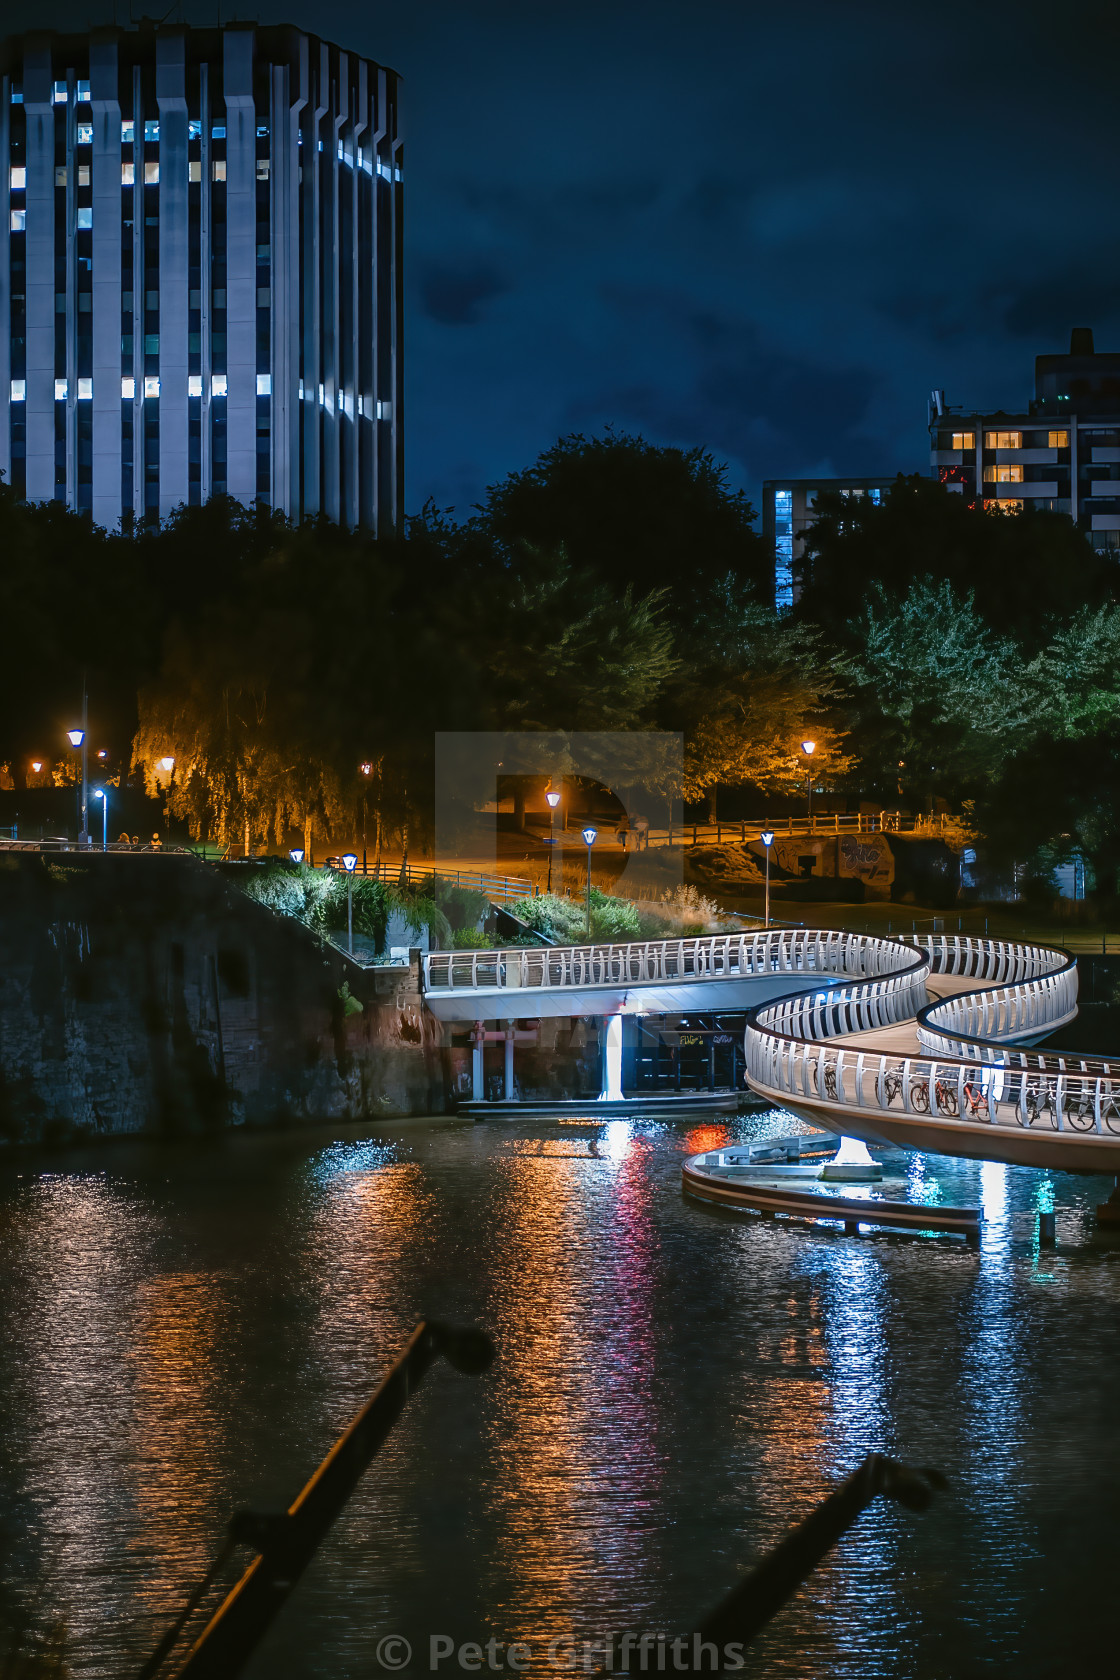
[1022,569]
[938,701]
[567,652]
[1072,687]
[765,686]
[630,514]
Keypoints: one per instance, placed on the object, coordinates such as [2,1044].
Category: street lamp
[589,837]
[809,748]
[767,838]
[350,863]
[99,793]
[296,854]
[77,738]
[168,763]
[552,795]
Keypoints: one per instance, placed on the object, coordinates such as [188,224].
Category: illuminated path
[914,1042]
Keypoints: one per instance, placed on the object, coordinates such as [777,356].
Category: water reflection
[674,1388]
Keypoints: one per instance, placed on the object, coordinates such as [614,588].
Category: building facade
[201,267]
[1060,452]
[789,508]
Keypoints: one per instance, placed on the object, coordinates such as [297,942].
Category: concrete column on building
[174,261]
[478,1064]
[331,326]
[314,112]
[289,96]
[39,241]
[241,264]
[510,1036]
[611,1075]
[70,247]
[139,282]
[206,293]
[5,285]
[107,201]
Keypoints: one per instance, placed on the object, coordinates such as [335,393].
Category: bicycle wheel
[919,1096]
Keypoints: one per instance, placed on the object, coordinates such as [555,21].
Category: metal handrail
[654,961]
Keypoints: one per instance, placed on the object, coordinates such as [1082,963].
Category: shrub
[470,939]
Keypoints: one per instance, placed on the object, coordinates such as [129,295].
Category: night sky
[767,230]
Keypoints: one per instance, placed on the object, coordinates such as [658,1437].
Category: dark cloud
[455,296]
[767,230]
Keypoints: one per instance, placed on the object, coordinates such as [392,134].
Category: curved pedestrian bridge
[914,1041]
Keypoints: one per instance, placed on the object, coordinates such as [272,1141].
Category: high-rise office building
[201,268]
[1059,452]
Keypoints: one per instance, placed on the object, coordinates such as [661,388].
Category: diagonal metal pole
[287,1541]
[773,1582]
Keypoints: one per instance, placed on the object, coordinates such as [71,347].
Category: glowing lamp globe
[75,737]
[589,836]
[767,837]
[296,854]
[349,862]
[553,798]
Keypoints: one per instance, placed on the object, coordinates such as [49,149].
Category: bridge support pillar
[509,1061]
[478,1078]
[611,1086]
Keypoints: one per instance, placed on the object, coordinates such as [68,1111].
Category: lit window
[19,390]
[1006,504]
[85,216]
[1003,475]
[128,131]
[60,93]
[83,92]
[85,390]
[217,384]
[151,386]
[194,129]
[18,179]
[194,385]
[60,390]
[1059,440]
[384,411]
[17,96]
[19,221]
[964,440]
[262,133]
[151,344]
[264,297]
[128,174]
[151,131]
[218,132]
[85,134]
[194,171]
[264,384]
[262,169]
[1003,440]
[60,176]
[219,169]
[83,174]
[128,389]
[151,174]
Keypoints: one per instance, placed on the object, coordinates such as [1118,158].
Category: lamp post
[589,837]
[77,738]
[350,863]
[767,838]
[100,793]
[809,748]
[552,795]
[296,854]
[168,763]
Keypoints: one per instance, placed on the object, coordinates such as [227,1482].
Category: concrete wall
[147,994]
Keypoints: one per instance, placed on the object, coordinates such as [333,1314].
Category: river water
[183,1331]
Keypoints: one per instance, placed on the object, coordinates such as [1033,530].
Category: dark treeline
[297,675]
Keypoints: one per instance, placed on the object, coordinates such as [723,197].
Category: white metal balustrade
[659,961]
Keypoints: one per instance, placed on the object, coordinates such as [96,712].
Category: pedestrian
[622,834]
[641,833]
[157,843]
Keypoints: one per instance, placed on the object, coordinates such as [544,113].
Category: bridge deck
[901,1039]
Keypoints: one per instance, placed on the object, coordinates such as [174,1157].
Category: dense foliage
[297,676]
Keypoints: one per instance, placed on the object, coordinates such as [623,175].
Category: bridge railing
[968,1073]
[647,962]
